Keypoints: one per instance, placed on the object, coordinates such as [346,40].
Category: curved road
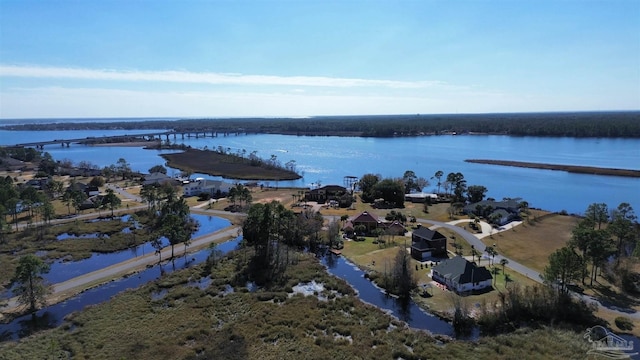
[516,266]
[480,246]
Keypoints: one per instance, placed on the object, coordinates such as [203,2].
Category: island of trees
[234,166]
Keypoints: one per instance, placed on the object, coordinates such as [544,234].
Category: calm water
[61,270]
[410,313]
[327,160]
[52,316]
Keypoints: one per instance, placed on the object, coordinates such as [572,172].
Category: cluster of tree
[273,231]
[391,191]
[598,237]
[400,280]
[240,196]
[254,160]
[155,194]
[15,200]
[20,153]
[171,220]
[532,305]
[121,169]
[158,169]
[578,124]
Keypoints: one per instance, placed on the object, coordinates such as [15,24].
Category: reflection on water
[64,270]
[406,311]
[53,315]
[67,236]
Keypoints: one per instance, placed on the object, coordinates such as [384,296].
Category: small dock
[335,252]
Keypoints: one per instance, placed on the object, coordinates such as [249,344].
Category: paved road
[125,193]
[476,241]
[480,246]
[66,289]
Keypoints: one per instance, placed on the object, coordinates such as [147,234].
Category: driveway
[516,266]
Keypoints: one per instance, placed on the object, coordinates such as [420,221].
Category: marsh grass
[34,239]
[226,165]
[189,323]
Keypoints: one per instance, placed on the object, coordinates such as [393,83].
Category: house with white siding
[212,187]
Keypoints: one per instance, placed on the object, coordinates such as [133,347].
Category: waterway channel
[54,315]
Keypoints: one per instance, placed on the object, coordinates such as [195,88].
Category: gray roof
[427,233]
[511,204]
[460,270]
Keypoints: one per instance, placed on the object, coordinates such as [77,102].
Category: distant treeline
[571,124]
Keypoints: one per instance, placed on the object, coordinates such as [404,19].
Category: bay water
[325,160]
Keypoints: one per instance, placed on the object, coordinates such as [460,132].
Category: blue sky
[302,58]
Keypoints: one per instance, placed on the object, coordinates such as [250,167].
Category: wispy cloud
[204,77]
[99,102]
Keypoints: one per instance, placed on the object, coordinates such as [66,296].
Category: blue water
[410,313]
[52,316]
[64,270]
[327,160]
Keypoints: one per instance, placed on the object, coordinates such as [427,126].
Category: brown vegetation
[532,242]
[591,170]
[227,166]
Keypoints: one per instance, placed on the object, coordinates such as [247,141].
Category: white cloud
[204,77]
[62,102]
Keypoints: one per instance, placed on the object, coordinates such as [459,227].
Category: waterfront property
[421,197]
[427,243]
[212,187]
[461,275]
[498,212]
[158,178]
[325,193]
[365,222]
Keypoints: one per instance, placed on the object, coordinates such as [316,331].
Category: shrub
[624,323]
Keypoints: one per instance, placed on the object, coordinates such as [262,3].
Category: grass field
[532,242]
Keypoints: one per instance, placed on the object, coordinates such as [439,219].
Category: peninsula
[229,166]
[591,170]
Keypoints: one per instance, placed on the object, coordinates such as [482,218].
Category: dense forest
[572,124]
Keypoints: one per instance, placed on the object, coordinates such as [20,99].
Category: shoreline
[225,165]
[576,169]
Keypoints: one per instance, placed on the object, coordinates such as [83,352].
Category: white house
[200,186]
[421,197]
[461,275]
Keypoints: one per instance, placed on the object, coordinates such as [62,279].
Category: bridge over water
[106,139]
